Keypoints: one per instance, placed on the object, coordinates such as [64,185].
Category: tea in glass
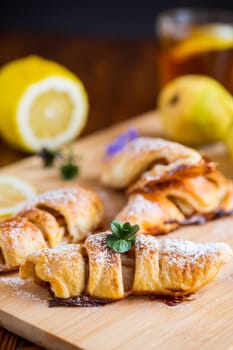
[196,41]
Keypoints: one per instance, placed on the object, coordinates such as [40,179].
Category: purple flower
[121,141]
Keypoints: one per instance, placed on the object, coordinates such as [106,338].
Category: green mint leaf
[121,246]
[69,171]
[116,228]
[123,236]
[133,230]
[132,240]
[110,240]
[126,227]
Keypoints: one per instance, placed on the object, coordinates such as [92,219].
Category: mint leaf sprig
[123,236]
[68,167]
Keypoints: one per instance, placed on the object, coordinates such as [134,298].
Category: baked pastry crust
[176,267]
[80,210]
[151,161]
[62,267]
[151,211]
[160,267]
[66,214]
[168,205]
[105,271]
[195,195]
[18,238]
[47,224]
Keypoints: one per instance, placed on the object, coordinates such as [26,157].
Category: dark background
[103,18]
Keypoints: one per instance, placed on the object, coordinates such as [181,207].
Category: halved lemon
[13,193]
[42,104]
[206,38]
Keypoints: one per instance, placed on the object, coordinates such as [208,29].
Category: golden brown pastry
[77,209]
[61,215]
[227,202]
[47,224]
[167,267]
[176,267]
[62,267]
[18,238]
[198,194]
[151,211]
[225,188]
[151,161]
[105,272]
[167,205]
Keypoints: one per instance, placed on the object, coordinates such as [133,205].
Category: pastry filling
[60,220]
[183,206]
[2,259]
[82,301]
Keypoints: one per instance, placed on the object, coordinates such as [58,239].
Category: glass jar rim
[198,15]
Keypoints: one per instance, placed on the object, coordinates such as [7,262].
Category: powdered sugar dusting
[65,195]
[12,282]
[141,205]
[167,149]
[19,288]
[59,256]
[142,144]
[180,252]
[146,243]
[59,250]
[98,251]
[14,229]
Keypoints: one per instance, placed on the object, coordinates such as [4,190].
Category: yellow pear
[196,109]
[229,141]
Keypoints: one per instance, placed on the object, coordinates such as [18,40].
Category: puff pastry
[151,161]
[62,215]
[156,267]
[18,238]
[152,212]
[47,224]
[168,205]
[77,209]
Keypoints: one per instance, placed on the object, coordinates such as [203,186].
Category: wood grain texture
[134,323]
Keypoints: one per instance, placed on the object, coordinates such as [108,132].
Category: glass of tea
[195,41]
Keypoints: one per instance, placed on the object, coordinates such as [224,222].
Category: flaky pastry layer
[149,161]
[167,205]
[69,214]
[159,267]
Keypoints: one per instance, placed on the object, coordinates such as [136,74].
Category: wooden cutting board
[206,322]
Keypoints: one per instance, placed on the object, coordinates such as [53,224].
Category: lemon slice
[207,38]
[13,193]
[42,104]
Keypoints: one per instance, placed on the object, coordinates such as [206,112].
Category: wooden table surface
[119,75]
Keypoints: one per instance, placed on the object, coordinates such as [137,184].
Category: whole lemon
[42,104]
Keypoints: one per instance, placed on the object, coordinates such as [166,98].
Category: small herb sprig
[123,236]
[48,157]
[68,167]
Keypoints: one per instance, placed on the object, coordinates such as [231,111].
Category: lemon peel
[13,193]
[42,104]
